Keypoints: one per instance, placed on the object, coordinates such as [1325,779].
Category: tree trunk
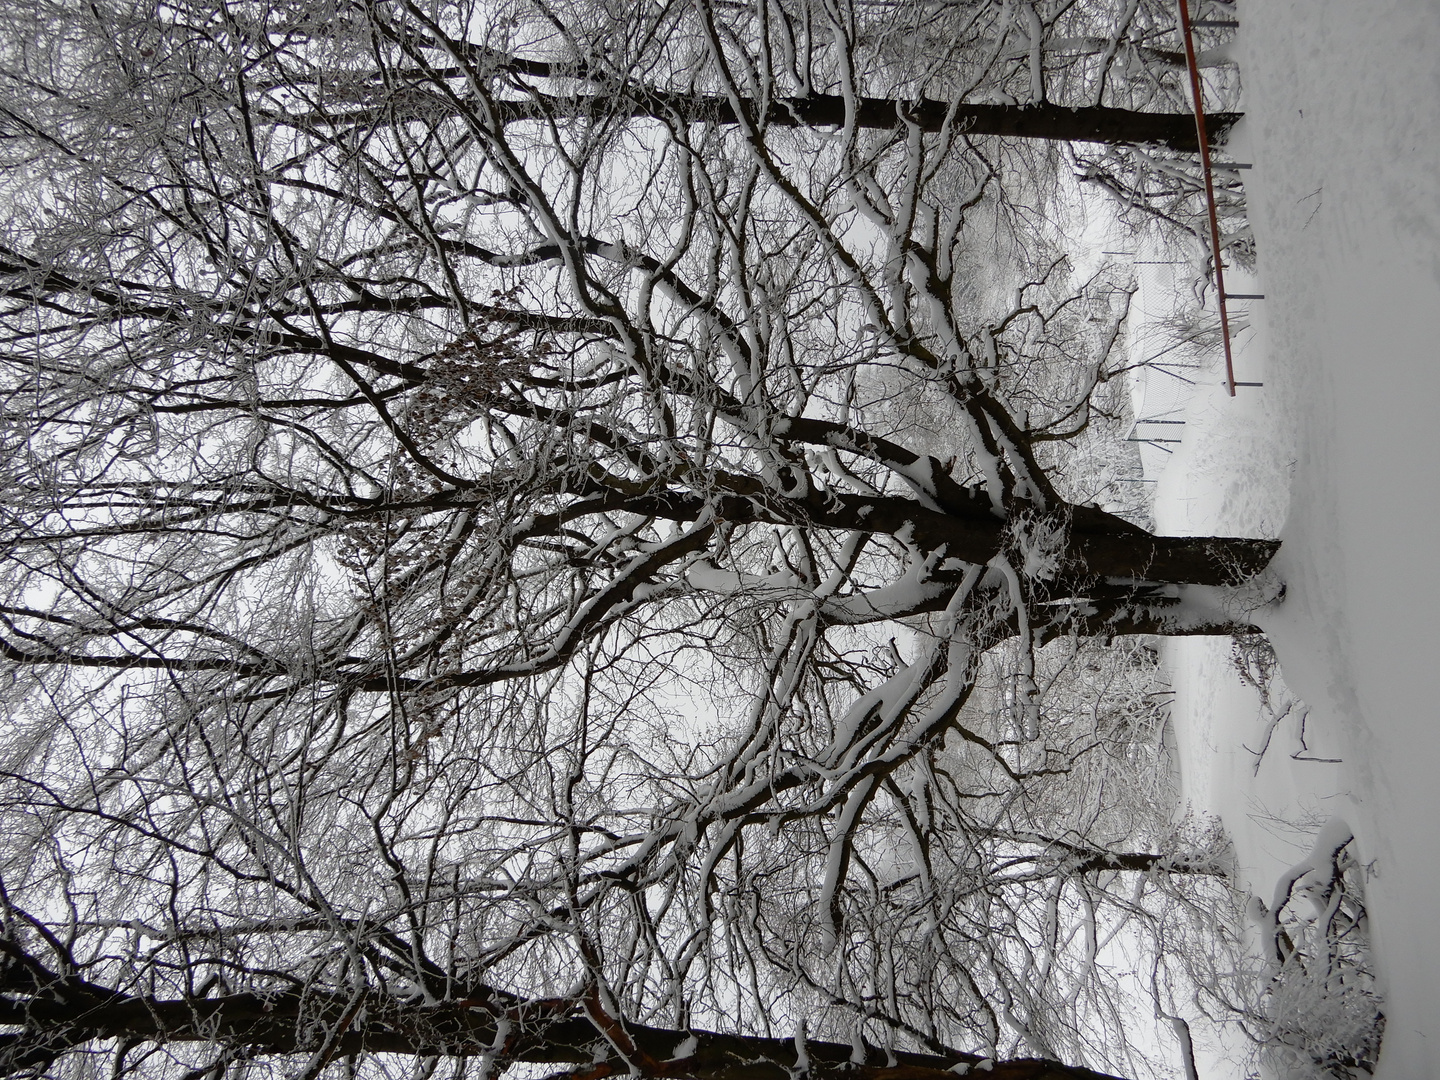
[1090,123]
[1175,131]
[325,1025]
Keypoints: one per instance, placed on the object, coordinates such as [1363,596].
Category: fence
[1167,340]
[1207,170]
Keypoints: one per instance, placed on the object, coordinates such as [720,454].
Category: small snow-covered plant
[1319,1015]
[1254,660]
[1317,1033]
[1240,247]
[1198,842]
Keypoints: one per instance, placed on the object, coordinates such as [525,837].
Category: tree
[1042,82]
[477,585]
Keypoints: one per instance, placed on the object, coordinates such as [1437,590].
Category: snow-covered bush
[1319,1014]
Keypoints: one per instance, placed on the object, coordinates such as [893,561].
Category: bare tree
[476,585]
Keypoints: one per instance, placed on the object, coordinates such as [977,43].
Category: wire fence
[1171,337]
[1207,172]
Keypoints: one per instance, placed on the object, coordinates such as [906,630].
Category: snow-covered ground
[1339,453]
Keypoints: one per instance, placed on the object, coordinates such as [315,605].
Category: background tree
[478,586]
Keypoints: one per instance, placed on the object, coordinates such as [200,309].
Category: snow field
[1343,111]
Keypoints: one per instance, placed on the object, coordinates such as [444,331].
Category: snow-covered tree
[530,545]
